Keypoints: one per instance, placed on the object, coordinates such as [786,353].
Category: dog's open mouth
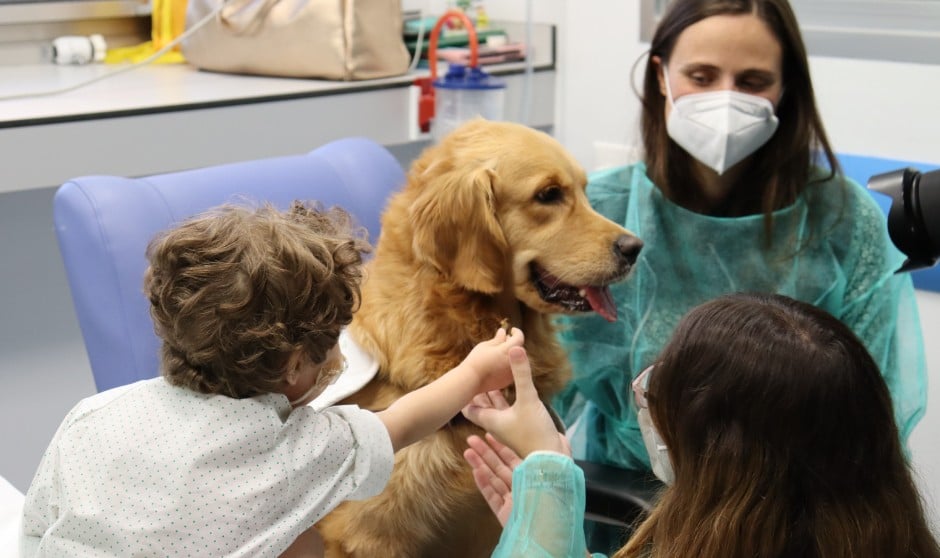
[577,299]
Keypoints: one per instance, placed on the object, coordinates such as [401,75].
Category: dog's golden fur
[454,259]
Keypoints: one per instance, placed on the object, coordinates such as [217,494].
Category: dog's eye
[552,194]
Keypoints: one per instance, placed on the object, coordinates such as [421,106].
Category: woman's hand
[488,360]
[493,464]
[526,426]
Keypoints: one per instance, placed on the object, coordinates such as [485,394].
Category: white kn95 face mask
[720,128]
[657,450]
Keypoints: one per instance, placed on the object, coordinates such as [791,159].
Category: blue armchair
[103,225]
[860,168]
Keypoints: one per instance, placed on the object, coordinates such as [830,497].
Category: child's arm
[421,412]
[308,545]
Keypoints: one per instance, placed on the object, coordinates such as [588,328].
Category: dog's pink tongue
[602,302]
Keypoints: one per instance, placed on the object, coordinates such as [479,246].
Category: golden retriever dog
[493,226]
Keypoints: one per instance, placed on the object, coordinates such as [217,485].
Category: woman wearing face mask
[739,190]
[768,419]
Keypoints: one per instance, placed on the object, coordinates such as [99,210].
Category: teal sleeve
[547,519]
[885,318]
[881,309]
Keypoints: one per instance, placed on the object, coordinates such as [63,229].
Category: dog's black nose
[628,247]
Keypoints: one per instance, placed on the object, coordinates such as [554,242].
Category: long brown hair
[782,165]
[782,439]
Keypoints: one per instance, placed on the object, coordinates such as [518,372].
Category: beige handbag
[328,39]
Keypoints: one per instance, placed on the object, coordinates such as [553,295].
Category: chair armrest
[617,496]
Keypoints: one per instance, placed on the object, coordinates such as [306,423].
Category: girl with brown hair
[222,455]
[771,425]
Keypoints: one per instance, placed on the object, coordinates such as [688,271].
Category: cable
[471,37]
[526,99]
[124,69]
[633,67]
[419,44]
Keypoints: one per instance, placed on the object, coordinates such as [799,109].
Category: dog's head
[500,206]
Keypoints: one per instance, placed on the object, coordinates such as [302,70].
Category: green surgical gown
[830,248]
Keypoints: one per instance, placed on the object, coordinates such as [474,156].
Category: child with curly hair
[221,456]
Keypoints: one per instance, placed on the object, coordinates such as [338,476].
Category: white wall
[926,451]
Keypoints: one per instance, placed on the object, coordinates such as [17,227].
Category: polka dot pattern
[157,470]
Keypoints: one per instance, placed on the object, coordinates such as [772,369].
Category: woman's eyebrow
[698,66]
[754,72]
[750,72]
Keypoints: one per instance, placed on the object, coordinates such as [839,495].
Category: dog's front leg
[429,508]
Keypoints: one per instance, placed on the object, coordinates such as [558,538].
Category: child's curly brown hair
[235,291]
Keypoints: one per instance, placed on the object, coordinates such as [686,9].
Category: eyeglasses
[640,385]
[328,377]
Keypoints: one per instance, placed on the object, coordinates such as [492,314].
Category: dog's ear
[456,229]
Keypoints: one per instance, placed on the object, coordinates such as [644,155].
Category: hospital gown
[830,248]
[152,469]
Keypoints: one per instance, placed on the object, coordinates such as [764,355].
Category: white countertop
[154,87]
[165,117]
[162,87]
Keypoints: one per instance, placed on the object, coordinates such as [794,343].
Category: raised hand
[492,465]
[526,426]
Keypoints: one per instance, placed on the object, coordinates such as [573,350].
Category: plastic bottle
[464,93]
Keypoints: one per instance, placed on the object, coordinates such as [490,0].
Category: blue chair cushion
[104,223]
[860,168]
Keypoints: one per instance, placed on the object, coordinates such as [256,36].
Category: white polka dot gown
[152,469]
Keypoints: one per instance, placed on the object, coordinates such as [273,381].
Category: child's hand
[493,464]
[526,426]
[490,361]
